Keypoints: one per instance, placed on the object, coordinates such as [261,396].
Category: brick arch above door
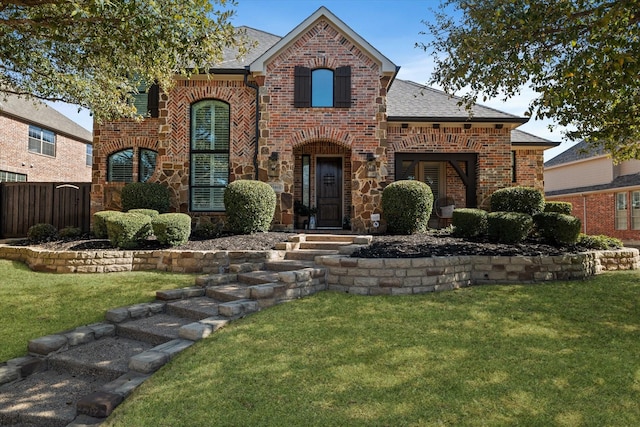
[322,134]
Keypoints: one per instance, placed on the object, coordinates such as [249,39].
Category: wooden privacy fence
[23,204]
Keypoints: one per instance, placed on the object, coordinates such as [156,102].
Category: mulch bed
[383,246]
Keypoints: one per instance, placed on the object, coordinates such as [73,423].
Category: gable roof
[410,101]
[38,113]
[258,65]
[580,151]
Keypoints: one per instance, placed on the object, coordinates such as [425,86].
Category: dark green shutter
[342,87]
[153,100]
[302,87]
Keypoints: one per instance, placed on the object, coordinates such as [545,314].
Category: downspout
[257,124]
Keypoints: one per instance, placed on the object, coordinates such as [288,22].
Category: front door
[329,191]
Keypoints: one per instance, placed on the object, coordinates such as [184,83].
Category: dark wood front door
[329,191]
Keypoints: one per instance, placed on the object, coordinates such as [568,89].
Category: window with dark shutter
[302,87]
[342,87]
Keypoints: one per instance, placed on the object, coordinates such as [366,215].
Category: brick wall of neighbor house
[493,147]
[361,128]
[600,214]
[169,136]
[68,165]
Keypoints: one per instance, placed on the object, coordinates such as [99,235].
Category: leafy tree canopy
[581,56]
[96,53]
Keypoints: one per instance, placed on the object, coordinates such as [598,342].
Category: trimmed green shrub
[250,206]
[406,206]
[70,233]
[508,227]
[145,195]
[599,242]
[517,199]
[39,233]
[127,230]
[207,230]
[468,222]
[172,228]
[100,224]
[560,207]
[557,228]
[149,212]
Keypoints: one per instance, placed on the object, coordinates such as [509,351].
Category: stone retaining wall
[108,261]
[393,276]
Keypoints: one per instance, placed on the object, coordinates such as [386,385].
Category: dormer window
[322,87]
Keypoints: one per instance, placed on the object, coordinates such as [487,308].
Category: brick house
[39,144]
[605,196]
[321,117]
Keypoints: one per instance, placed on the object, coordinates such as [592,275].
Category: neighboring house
[605,196]
[321,117]
[39,144]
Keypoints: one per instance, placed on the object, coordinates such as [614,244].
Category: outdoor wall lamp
[274,169]
[372,167]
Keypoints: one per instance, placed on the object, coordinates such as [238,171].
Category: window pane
[120,166]
[210,135]
[621,211]
[12,177]
[207,199]
[635,210]
[34,145]
[147,164]
[89,159]
[322,88]
[140,101]
[42,141]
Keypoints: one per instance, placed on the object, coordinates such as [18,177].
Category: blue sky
[391,26]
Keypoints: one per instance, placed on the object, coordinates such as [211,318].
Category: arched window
[322,88]
[210,136]
[120,165]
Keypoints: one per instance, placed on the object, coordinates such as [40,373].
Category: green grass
[37,304]
[555,354]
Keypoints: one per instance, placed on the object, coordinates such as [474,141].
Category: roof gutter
[467,119]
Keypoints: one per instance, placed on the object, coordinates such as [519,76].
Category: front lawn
[37,304]
[563,354]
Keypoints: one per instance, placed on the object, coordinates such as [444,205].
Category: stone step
[155,330]
[231,292]
[107,358]
[343,238]
[45,399]
[287,265]
[215,279]
[307,254]
[323,245]
[258,277]
[239,308]
[193,308]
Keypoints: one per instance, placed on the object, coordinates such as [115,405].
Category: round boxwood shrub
[468,222]
[526,200]
[560,207]
[39,233]
[100,224]
[508,227]
[557,228]
[172,228]
[145,195]
[250,206]
[406,206]
[127,230]
[70,233]
[599,242]
[152,213]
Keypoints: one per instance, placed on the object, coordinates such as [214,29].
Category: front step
[227,293]
[323,245]
[44,399]
[307,254]
[193,308]
[154,330]
[287,265]
[341,238]
[107,358]
[258,277]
